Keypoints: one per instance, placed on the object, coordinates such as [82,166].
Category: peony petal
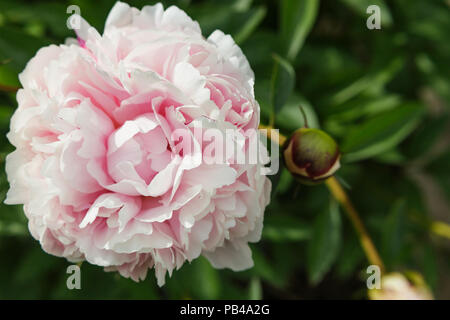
[235,255]
[119,16]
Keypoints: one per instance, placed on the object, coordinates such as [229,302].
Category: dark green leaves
[239,20]
[8,77]
[381,133]
[283,81]
[297,19]
[373,81]
[283,228]
[324,246]
[426,136]
[17,47]
[360,7]
[254,18]
[197,280]
[291,118]
[209,284]
[382,94]
[394,233]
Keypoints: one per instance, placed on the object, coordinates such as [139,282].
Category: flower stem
[366,242]
[341,196]
[273,135]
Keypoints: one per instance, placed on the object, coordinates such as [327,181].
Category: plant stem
[273,135]
[341,196]
[366,242]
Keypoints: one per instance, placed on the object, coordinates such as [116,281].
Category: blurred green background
[383,94]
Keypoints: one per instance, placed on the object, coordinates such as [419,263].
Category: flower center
[138,150]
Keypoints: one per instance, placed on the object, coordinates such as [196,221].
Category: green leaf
[434,73]
[381,132]
[263,268]
[255,17]
[290,116]
[360,106]
[54,16]
[297,19]
[5,115]
[18,47]
[207,281]
[392,157]
[35,263]
[325,243]
[393,234]
[212,17]
[276,178]
[284,181]
[426,136]
[283,228]
[283,81]
[258,49]
[351,257]
[377,78]
[8,76]
[430,266]
[360,7]
[239,20]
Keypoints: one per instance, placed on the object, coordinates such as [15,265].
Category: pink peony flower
[96,166]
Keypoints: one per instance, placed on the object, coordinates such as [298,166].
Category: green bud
[311,155]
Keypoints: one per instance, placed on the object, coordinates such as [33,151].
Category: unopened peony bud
[311,155]
[396,286]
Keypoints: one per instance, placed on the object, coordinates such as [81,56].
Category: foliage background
[383,94]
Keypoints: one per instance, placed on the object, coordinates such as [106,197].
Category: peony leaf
[393,235]
[290,116]
[9,80]
[373,81]
[282,228]
[381,132]
[17,47]
[255,17]
[283,81]
[297,19]
[426,136]
[360,7]
[325,243]
[208,281]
